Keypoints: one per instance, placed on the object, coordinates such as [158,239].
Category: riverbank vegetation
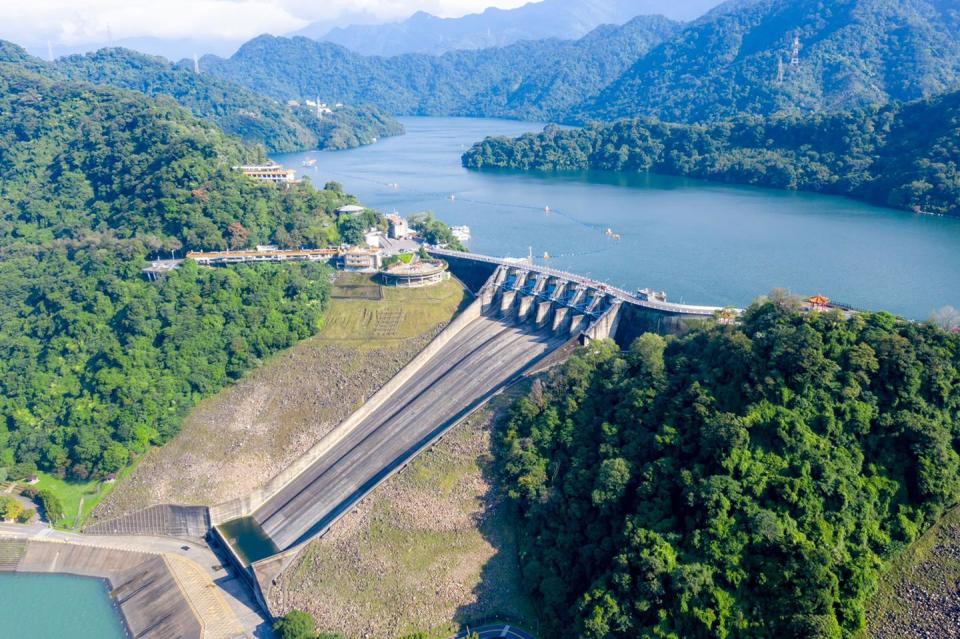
[236,110]
[748,480]
[96,363]
[905,155]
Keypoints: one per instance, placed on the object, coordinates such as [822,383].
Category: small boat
[451,197]
[546,255]
[309,162]
[546,209]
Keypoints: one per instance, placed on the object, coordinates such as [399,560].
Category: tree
[352,230]
[52,506]
[115,457]
[296,624]
[238,235]
[947,318]
[10,508]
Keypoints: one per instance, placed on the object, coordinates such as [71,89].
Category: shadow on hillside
[499,596]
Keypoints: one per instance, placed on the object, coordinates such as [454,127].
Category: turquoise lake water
[702,242]
[44,606]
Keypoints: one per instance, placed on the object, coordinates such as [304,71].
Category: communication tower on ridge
[795,56]
[780,69]
[196,64]
[319,114]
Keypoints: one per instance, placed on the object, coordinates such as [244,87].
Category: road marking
[506,629]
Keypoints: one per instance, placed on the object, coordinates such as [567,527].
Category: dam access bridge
[523,318]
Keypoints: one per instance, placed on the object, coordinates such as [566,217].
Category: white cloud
[71,23]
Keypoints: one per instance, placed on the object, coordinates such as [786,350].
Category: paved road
[478,361]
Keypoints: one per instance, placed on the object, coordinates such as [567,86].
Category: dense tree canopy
[903,155]
[81,158]
[852,53]
[96,363]
[540,79]
[738,481]
[236,110]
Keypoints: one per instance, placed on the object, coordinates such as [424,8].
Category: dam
[522,318]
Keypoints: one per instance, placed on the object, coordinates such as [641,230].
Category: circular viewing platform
[417,274]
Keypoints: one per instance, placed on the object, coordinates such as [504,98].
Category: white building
[350,209]
[399,228]
[268,173]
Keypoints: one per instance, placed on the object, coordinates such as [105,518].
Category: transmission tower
[780,70]
[196,64]
[795,56]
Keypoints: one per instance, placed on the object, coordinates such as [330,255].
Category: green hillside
[904,155]
[96,363]
[530,79]
[739,481]
[852,53]
[233,108]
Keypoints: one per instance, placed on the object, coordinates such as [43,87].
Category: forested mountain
[96,363]
[494,27]
[902,155]
[534,79]
[852,53]
[235,109]
[739,481]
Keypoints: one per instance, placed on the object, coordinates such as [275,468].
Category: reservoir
[701,242]
[36,606]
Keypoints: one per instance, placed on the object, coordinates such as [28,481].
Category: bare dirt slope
[430,550]
[243,436]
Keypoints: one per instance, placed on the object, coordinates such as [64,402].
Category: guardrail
[667,307]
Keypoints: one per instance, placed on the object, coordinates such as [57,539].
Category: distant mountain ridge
[564,19]
[735,59]
[541,79]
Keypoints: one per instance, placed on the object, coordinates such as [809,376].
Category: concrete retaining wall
[187,522]
[141,584]
[606,325]
[246,505]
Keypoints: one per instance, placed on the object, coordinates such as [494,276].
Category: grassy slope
[917,596]
[431,550]
[240,438]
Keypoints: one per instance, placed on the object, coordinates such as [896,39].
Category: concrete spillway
[480,359]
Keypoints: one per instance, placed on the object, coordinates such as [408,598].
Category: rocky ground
[920,597]
[237,440]
[431,549]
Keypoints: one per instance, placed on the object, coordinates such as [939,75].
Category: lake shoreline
[703,242]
